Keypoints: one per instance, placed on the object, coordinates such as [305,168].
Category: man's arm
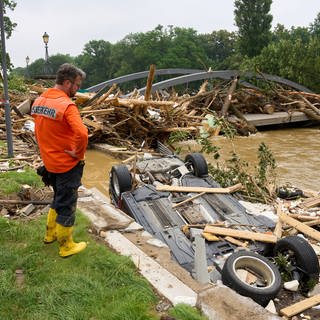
[73,118]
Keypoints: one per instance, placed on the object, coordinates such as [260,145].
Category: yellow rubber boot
[51,234]
[67,246]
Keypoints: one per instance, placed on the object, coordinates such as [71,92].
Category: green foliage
[11,181]
[258,182]
[95,61]
[16,82]
[284,266]
[88,286]
[208,147]
[291,54]
[8,24]
[253,20]
[95,284]
[219,46]
[185,312]
[178,136]
[36,68]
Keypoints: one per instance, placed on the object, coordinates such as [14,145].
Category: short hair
[68,71]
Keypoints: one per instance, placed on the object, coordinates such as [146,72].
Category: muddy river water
[296,151]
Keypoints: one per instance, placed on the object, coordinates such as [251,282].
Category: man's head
[69,79]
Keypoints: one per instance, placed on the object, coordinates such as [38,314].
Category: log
[107,94]
[268,109]
[36,202]
[199,189]
[228,98]
[309,104]
[176,129]
[147,94]
[242,234]
[130,103]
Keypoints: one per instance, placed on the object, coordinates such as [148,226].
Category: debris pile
[135,119]
[130,121]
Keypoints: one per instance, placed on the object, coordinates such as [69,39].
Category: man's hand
[71,153]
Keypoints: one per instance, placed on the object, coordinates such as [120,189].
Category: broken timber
[312,233]
[200,189]
[300,306]
[242,234]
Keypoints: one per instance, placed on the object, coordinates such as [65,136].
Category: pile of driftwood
[136,120]
[130,121]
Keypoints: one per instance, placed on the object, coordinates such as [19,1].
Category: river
[296,151]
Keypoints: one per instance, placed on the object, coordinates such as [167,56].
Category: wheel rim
[260,275]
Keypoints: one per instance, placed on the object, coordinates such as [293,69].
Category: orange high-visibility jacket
[58,127]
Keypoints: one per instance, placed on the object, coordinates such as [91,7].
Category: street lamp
[27,62]
[45,38]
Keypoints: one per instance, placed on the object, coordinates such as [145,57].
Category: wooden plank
[258,120]
[312,233]
[242,234]
[187,200]
[309,203]
[300,306]
[209,236]
[199,189]
[236,242]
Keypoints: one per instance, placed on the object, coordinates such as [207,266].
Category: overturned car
[172,200]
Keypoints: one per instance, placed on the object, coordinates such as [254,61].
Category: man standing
[62,139]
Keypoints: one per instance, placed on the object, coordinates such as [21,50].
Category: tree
[95,61]
[8,25]
[315,26]
[219,46]
[254,24]
[184,50]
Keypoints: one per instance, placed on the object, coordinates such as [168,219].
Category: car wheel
[300,261]
[120,181]
[197,164]
[252,275]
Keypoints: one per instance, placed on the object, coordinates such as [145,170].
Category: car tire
[302,257]
[258,265]
[120,181]
[197,164]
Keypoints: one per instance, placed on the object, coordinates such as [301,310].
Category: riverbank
[134,237]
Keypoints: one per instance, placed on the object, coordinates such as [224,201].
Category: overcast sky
[73,23]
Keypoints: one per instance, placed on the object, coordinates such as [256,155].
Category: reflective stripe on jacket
[58,127]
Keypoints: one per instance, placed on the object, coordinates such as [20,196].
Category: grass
[95,284]
[11,181]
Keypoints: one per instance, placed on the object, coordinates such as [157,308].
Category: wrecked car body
[178,219]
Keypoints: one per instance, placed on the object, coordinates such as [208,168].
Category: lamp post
[45,38]
[5,84]
[27,62]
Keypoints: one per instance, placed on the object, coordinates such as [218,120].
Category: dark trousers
[65,186]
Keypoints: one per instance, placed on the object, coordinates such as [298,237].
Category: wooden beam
[147,94]
[300,306]
[242,234]
[187,200]
[312,233]
[236,242]
[199,189]
[309,203]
